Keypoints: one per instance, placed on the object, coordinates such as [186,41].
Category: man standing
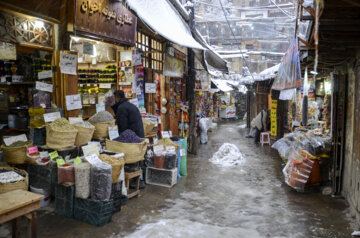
[127,115]
[260,124]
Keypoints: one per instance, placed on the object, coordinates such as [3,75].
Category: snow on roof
[222,85]
[164,19]
[270,72]
[229,56]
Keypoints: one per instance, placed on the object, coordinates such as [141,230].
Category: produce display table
[133,175]
[19,203]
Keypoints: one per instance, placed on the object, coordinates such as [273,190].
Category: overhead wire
[242,54]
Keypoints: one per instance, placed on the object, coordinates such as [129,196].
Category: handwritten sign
[113,132]
[158,148]
[166,134]
[52,116]
[33,150]
[90,149]
[53,155]
[73,102]
[93,159]
[150,88]
[12,139]
[60,162]
[182,152]
[45,75]
[170,149]
[44,154]
[68,63]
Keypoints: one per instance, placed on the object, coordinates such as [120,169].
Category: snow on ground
[228,155]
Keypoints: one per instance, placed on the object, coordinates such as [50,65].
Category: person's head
[119,94]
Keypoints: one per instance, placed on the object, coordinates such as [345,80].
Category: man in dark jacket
[127,115]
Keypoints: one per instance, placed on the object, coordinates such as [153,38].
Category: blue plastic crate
[93,212]
[64,200]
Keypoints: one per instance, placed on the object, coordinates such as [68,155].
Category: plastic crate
[64,200]
[161,177]
[92,212]
[43,177]
[124,200]
[116,193]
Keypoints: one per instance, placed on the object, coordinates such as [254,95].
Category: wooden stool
[265,138]
[133,175]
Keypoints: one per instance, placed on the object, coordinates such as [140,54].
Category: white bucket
[46,200]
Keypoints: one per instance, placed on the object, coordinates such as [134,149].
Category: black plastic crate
[93,212]
[64,200]
[43,177]
[116,190]
[117,205]
[124,200]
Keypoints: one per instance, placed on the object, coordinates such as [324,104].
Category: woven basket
[59,140]
[22,184]
[101,129]
[84,135]
[116,164]
[134,152]
[16,154]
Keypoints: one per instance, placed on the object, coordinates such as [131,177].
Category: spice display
[66,174]
[100,181]
[128,136]
[103,116]
[82,180]
[170,161]
[10,177]
[63,125]
[159,160]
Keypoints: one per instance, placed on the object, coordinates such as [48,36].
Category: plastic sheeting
[222,85]
[228,155]
[163,18]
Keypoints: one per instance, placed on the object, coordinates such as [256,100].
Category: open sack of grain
[60,134]
[102,120]
[85,132]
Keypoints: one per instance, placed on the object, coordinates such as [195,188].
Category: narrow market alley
[248,200]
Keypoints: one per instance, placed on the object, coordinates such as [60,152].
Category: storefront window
[152,49]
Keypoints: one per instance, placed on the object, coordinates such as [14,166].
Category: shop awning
[162,17]
[222,85]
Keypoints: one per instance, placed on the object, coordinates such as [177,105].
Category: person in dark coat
[127,115]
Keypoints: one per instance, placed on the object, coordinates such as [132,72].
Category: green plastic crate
[64,200]
[93,212]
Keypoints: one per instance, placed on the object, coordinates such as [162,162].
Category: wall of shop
[351,173]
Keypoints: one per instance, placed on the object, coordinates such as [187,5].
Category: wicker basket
[148,127]
[84,135]
[101,129]
[134,152]
[59,140]
[16,154]
[22,184]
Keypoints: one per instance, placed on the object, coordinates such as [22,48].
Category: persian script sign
[109,19]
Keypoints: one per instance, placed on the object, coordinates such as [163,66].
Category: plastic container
[46,200]
[170,161]
[66,174]
[159,160]
[100,181]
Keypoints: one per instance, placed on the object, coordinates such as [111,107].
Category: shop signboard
[107,19]
[173,67]
[273,118]
[140,88]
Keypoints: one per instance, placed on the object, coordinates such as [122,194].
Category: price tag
[12,139]
[44,75]
[90,149]
[105,85]
[182,152]
[170,149]
[44,154]
[147,140]
[33,150]
[60,162]
[170,133]
[93,159]
[52,116]
[77,160]
[74,120]
[100,107]
[158,148]
[113,132]
[155,141]
[165,134]
[53,155]
[97,143]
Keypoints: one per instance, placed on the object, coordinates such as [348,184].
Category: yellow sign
[273,118]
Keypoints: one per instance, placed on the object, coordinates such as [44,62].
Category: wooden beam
[310,10]
[352,2]
[305,42]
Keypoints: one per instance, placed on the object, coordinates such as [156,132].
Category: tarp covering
[289,73]
[270,73]
[164,19]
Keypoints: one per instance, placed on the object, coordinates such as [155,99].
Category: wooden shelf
[17,83]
